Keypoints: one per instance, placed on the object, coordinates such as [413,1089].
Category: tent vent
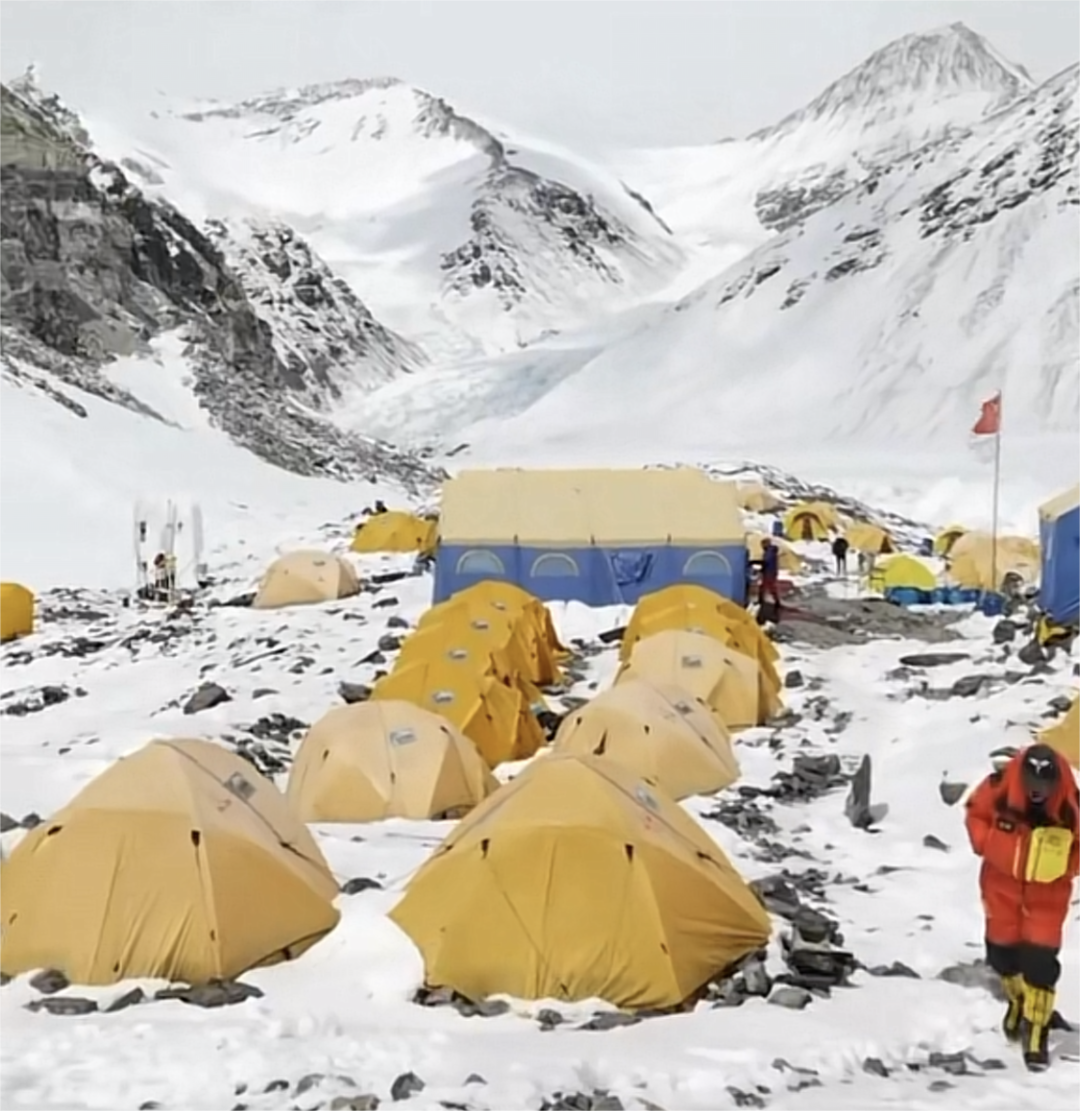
[116,967]
[326,753]
[213,935]
[646,797]
[646,728]
[664,948]
[690,662]
[458,654]
[440,698]
[239,786]
[399,737]
[629,849]
[484,846]
[53,829]
[601,748]
[684,708]
[196,837]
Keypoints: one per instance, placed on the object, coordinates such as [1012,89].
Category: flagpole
[994,512]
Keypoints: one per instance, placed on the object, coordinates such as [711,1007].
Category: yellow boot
[1014,1012]
[1038,1013]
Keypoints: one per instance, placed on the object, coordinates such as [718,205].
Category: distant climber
[840,548]
[1023,821]
[768,584]
[380,506]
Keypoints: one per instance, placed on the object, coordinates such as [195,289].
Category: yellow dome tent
[16,611]
[972,554]
[722,677]
[945,539]
[865,537]
[577,880]
[659,732]
[179,862]
[790,560]
[395,531]
[810,521]
[1063,735]
[757,498]
[901,571]
[385,759]
[495,717]
[508,595]
[303,577]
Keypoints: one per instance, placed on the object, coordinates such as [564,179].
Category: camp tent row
[114,884]
[602,537]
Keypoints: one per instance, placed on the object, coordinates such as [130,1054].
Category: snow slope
[727,198]
[338,1024]
[456,238]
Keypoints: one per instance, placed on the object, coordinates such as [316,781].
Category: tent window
[399,737]
[707,565]
[479,562]
[553,565]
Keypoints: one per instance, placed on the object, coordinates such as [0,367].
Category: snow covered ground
[339,1022]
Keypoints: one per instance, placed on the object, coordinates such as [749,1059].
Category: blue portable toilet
[1059,543]
[602,537]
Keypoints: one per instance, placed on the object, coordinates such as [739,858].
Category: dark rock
[305,1083]
[435,997]
[482,1008]
[549,1018]
[7,822]
[149,1105]
[358,884]
[951,793]
[63,1005]
[609,1020]
[276,1086]
[795,999]
[389,600]
[968,686]
[207,696]
[281,728]
[953,1063]
[896,969]
[49,981]
[603,1101]
[793,679]
[1005,631]
[474,1078]
[932,842]
[128,999]
[5,979]
[390,642]
[745,1099]
[31,820]
[756,980]
[932,659]
[1032,653]
[1059,704]
[365,1102]
[406,1085]
[263,692]
[974,974]
[216,993]
[612,636]
[857,807]
[875,1067]
[354,692]
[394,621]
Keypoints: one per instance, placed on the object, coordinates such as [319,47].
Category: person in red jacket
[1023,822]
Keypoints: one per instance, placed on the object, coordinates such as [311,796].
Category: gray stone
[31,820]
[63,1005]
[953,1063]
[549,1018]
[7,822]
[389,642]
[896,969]
[795,999]
[206,697]
[1005,631]
[968,686]
[305,1083]
[745,1099]
[857,807]
[932,842]
[793,679]
[974,974]
[365,1102]
[277,1086]
[610,1020]
[1059,704]
[875,1067]
[216,993]
[352,693]
[1032,653]
[358,884]
[405,1086]
[756,979]
[606,1102]
[951,793]
[474,1078]
[395,621]
[482,1008]
[49,981]
[127,999]
[932,659]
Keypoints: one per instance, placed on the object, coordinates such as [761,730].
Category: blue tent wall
[1059,593]
[596,576]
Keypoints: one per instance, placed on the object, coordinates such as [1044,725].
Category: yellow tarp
[179,862]
[577,880]
[395,531]
[16,611]
[385,759]
[304,577]
[1064,735]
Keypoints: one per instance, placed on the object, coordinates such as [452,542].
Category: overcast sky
[589,74]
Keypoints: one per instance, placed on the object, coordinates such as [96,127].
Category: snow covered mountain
[460,237]
[884,318]
[727,198]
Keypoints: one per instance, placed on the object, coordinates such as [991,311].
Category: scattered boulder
[353,692]
[896,969]
[974,974]
[280,728]
[857,807]
[358,884]
[795,999]
[794,679]
[932,842]
[951,793]
[612,636]
[127,999]
[206,697]
[968,686]
[1005,631]
[365,1102]
[1060,704]
[216,993]
[1032,653]
[31,820]
[395,621]
[953,1063]
[932,659]
[390,642]
[66,1005]
[41,699]
[596,1100]
[610,1020]
[405,1086]
[875,1067]
[549,1019]
[7,823]
[49,981]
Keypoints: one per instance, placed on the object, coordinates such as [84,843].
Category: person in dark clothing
[768,587]
[1023,822]
[840,548]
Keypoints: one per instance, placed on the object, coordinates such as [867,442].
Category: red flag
[989,422]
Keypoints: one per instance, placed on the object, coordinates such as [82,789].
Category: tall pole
[994,513]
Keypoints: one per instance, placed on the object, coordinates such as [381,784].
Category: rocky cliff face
[92,269]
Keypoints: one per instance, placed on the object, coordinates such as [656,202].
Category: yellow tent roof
[865,537]
[1063,735]
[495,717]
[724,679]
[508,595]
[395,531]
[971,556]
[179,862]
[16,611]
[906,571]
[577,508]
[578,880]
[1062,503]
[810,520]
[304,577]
[657,731]
[385,759]
[947,537]
[757,498]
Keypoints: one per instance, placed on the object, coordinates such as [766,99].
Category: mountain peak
[924,68]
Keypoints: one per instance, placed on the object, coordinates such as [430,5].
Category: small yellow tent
[179,862]
[303,577]
[395,531]
[757,498]
[385,759]
[16,611]
[973,555]
[1064,734]
[506,640]
[724,679]
[790,560]
[508,595]
[659,732]
[865,537]
[810,521]
[577,880]
[945,539]
[527,623]
[905,571]
[495,717]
